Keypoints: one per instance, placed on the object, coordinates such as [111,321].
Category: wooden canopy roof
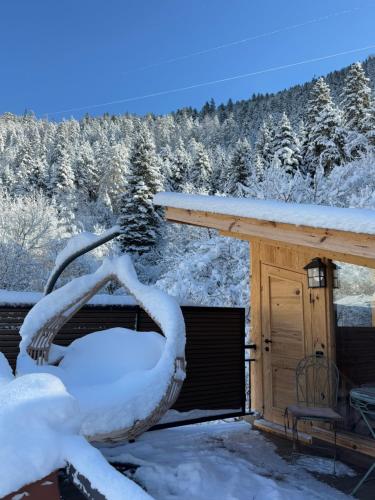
[346,234]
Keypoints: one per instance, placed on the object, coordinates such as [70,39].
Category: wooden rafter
[357,248]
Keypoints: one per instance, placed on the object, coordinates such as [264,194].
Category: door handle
[267,341]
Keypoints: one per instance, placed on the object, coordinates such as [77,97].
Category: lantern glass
[335,275]
[316,274]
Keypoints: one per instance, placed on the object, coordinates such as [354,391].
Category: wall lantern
[335,275]
[316,273]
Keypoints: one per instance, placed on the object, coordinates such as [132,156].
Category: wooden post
[256,370]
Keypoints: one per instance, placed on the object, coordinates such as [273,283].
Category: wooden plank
[304,250]
[343,243]
[256,367]
[279,430]
[346,440]
[44,489]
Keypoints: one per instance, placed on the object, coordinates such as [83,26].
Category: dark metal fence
[215,354]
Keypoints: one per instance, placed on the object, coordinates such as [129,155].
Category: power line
[213,82]
[241,41]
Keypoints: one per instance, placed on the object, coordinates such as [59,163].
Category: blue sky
[58,55]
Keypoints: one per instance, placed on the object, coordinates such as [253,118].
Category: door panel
[285,319]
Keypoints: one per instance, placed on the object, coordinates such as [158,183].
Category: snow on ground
[322,465]
[357,220]
[224,461]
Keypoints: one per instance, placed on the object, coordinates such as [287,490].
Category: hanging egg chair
[147,377]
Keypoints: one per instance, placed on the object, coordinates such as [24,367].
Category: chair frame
[308,370]
[42,338]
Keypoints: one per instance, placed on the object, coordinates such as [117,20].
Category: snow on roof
[356,220]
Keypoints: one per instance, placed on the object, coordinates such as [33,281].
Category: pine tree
[113,181]
[179,167]
[86,173]
[356,100]
[263,145]
[326,137]
[286,148]
[258,167]
[23,166]
[144,154]
[358,110]
[138,218]
[239,169]
[201,169]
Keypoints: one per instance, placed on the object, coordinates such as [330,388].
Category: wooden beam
[279,430]
[338,245]
[347,440]
[256,367]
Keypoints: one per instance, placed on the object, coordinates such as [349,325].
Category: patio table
[362,399]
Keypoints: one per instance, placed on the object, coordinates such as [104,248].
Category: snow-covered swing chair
[124,381]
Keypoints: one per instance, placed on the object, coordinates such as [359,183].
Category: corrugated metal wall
[214,348]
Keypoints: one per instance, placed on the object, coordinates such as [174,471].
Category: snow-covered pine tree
[220,170]
[23,166]
[138,218]
[325,135]
[258,167]
[165,160]
[113,181]
[62,175]
[239,172]
[263,146]
[285,146]
[179,167]
[356,99]
[201,169]
[358,110]
[61,185]
[144,154]
[86,173]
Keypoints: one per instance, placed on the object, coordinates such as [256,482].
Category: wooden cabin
[289,320]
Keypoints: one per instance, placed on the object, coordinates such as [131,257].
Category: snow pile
[357,220]
[39,433]
[14,298]
[221,461]
[106,356]
[81,241]
[322,465]
[124,395]
[36,413]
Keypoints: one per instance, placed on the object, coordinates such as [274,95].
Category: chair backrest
[317,382]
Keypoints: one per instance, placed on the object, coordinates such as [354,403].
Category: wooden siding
[317,313]
[214,347]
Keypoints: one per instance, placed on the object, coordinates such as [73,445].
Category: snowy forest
[312,143]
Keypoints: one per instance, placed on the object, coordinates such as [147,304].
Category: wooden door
[285,319]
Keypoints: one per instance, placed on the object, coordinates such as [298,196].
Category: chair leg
[294,437]
[335,447]
[363,479]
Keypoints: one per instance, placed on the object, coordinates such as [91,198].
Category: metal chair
[363,400]
[317,382]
